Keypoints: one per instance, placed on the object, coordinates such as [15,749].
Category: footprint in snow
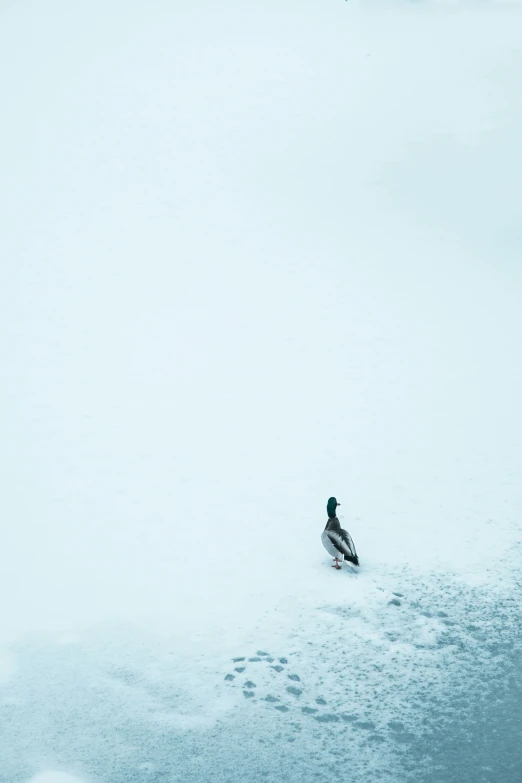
[262,656]
[288,693]
[327,717]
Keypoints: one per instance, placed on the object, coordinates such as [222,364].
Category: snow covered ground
[253,256]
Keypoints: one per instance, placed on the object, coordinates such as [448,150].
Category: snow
[55,777]
[7,666]
[258,256]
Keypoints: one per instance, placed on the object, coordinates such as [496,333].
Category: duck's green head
[331,507]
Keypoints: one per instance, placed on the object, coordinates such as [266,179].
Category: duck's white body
[338,542]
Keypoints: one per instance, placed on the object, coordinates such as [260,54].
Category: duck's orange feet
[336,563]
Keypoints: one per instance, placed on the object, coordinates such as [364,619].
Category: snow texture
[255,256]
[55,777]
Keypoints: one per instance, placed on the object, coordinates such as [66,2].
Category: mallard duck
[337,542]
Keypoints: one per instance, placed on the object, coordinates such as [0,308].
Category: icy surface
[55,777]
[257,256]
[428,686]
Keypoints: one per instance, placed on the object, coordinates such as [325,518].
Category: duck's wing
[338,542]
[346,537]
[343,543]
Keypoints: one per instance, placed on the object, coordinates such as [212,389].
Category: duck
[337,542]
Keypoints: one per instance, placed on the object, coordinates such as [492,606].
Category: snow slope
[255,256]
